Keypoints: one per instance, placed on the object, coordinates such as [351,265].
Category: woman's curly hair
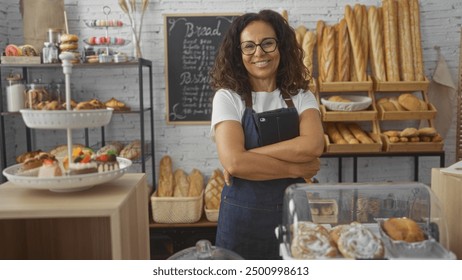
[229,72]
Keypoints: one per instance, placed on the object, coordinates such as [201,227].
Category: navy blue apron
[250,211]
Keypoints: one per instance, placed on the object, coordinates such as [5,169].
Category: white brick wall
[189,145]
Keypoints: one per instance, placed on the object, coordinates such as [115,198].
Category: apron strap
[285,96]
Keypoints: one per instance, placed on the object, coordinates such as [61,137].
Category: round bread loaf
[409,102]
[403,229]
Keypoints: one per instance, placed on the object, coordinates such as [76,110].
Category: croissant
[116,105]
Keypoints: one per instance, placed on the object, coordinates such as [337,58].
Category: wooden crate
[406,115]
[345,86]
[20,60]
[401,86]
[364,115]
[411,146]
[354,148]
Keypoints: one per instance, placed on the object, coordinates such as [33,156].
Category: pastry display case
[363,221]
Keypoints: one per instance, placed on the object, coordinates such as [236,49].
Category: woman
[258,64]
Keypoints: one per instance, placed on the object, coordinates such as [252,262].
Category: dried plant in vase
[133,9]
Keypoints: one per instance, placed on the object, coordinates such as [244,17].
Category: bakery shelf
[401,86]
[365,115]
[344,86]
[406,115]
[411,146]
[354,148]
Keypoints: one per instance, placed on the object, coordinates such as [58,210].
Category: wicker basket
[211,214]
[170,210]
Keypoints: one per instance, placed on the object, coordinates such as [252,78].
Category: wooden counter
[448,190]
[108,221]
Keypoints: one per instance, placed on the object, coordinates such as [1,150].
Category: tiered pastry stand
[68,119]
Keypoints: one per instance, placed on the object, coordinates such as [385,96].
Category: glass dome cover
[205,251]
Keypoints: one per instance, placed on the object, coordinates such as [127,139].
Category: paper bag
[39,16]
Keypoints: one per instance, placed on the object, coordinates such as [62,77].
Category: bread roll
[196,183]
[181,186]
[403,229]
[409,132]
[334,134]
[343,52]
[356,45]
[213,190]
[346,134]
[376,44]
[328,54]
[414,20]
[427,131]
[391,133]
[166,181]
[393,139]
[308,44]
[360,134]
[405,45]
[338,98]
[437,138]
[390,27]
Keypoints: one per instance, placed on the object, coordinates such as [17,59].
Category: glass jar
[54,36]
[50,53]
[15,93]
[36,93]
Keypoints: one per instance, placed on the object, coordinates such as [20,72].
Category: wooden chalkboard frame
[173,117]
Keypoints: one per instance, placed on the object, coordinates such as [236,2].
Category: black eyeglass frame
[259,45]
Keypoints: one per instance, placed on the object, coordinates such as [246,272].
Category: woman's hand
[309,169]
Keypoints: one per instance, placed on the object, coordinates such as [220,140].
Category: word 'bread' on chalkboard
[191,44]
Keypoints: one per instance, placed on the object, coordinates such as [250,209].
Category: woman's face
[262,66]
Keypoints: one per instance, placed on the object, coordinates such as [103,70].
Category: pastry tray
[66,183]
[62,119]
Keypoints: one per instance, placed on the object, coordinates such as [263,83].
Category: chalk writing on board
[192,44]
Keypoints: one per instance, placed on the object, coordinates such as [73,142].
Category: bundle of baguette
[347,133]
[387,37]
[404,102]
[178,183]
[411,134]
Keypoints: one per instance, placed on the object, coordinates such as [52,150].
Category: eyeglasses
[268,45]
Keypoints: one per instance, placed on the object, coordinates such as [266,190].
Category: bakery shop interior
[287,130]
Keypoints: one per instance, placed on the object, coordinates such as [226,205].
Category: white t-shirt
[228,105]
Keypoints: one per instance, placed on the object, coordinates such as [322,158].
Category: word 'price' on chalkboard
[191,44]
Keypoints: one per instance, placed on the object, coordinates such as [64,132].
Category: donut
[28,50]
[403,229]
[358,242]
[67,38]
[12,50]
[311,241]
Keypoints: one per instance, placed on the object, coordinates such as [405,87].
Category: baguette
[166,181]
[300,33]
[334,134]
[390,23]
[343,52]
[319,32]
[285,15]
[414,20]
[376,44]
[356,45]
[405,45]
[360,134]
[181,186]
[309,41]
[346,134]
[364,36]
[196,183]
[328,54]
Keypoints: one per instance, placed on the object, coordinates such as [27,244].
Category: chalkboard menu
[191,44]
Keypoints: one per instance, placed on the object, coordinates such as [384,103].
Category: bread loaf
[166,181]
[328,54]
[285,15]
[359,134]
[403,229]
[196,183]
[338,98]
[409,102]
[405,42]
[414,20]
[409,132]
[181,186]
[308,44]
[213,190]
[334,134]
[343,52]
[390,27]
[364,36]
[376,44]
[319,32]
[300,33]
[395,102]
[356,45]
[427,131]
[346,134]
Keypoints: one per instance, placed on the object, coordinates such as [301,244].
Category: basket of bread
[179,196]
[213,195]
